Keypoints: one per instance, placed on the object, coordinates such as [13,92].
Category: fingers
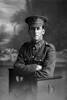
[38,67]
[19,78]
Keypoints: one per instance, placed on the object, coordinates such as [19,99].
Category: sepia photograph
[33,50]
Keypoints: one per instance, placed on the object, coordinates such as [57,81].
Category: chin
[36,39]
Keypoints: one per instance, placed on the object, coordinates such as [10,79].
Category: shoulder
[50,46]
[51,51]
[24,46]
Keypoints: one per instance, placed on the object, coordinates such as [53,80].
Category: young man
[37,57]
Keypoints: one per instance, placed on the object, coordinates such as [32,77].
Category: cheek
[41,33]
[38,32]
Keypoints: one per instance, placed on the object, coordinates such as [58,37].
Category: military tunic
[29,56]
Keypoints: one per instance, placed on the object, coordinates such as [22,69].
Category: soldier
[36,57]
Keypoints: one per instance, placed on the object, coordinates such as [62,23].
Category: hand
[38,67]
[19,78]
[50,74]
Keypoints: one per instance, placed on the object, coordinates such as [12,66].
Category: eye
[38,28]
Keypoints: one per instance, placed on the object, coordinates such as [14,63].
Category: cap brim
[30,18]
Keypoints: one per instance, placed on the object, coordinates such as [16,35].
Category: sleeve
[49,63]
[20,65]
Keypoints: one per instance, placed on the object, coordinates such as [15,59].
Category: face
[36,33]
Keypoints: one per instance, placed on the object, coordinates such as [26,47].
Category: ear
[43,31]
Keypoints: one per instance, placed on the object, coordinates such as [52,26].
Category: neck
[37,41]
[38,44]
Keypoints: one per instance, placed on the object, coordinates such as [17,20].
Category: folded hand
[38,67]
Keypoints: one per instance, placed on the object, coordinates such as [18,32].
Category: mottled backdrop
[13,30]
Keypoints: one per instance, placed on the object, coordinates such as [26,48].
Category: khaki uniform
[29,55]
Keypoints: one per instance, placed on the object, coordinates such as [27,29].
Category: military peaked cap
[37,20]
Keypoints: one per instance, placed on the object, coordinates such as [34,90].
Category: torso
[31,55]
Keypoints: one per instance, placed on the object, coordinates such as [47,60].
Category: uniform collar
[39,44]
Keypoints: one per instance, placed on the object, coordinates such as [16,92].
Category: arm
[48,64]
[50,60]
[20,65]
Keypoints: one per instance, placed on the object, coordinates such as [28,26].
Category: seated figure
[37,57]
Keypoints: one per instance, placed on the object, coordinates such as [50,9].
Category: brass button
[40,60]
[32,56]
[34,48]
